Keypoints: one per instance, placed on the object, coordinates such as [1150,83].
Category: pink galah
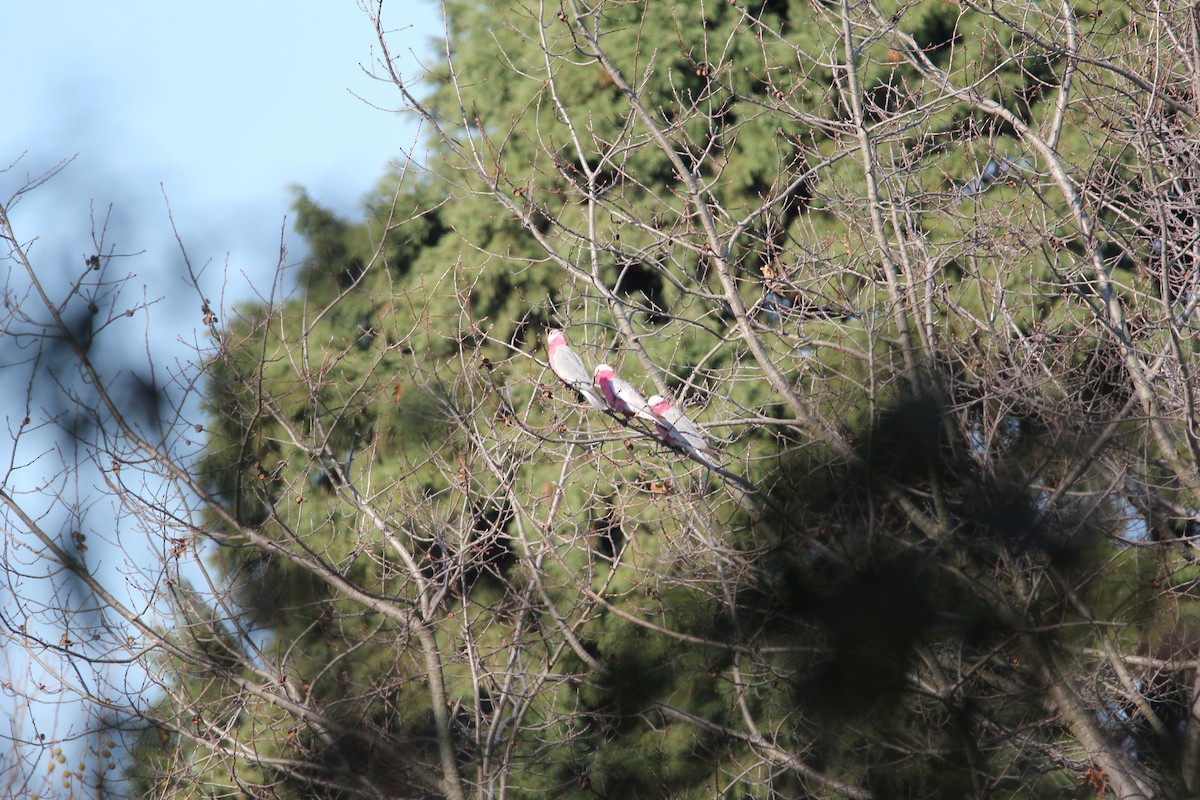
[679,431]
[569,368]
[622,397]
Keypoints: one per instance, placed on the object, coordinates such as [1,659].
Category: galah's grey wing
[567,364]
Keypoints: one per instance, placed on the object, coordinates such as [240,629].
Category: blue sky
[220,105]
[224,104]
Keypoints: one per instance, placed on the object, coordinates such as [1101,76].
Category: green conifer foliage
[833,236]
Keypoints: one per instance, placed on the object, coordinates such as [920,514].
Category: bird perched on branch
[570,369]
[678,431]
[622,397]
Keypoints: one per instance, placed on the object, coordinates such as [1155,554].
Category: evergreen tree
[926,346]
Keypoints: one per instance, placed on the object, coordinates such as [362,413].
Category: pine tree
[447,576]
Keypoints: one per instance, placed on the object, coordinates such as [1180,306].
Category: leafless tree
[362,542]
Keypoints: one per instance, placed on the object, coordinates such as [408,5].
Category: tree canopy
[922,273]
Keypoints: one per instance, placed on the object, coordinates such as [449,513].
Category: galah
[622,397]
[569,368]
[679,431]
